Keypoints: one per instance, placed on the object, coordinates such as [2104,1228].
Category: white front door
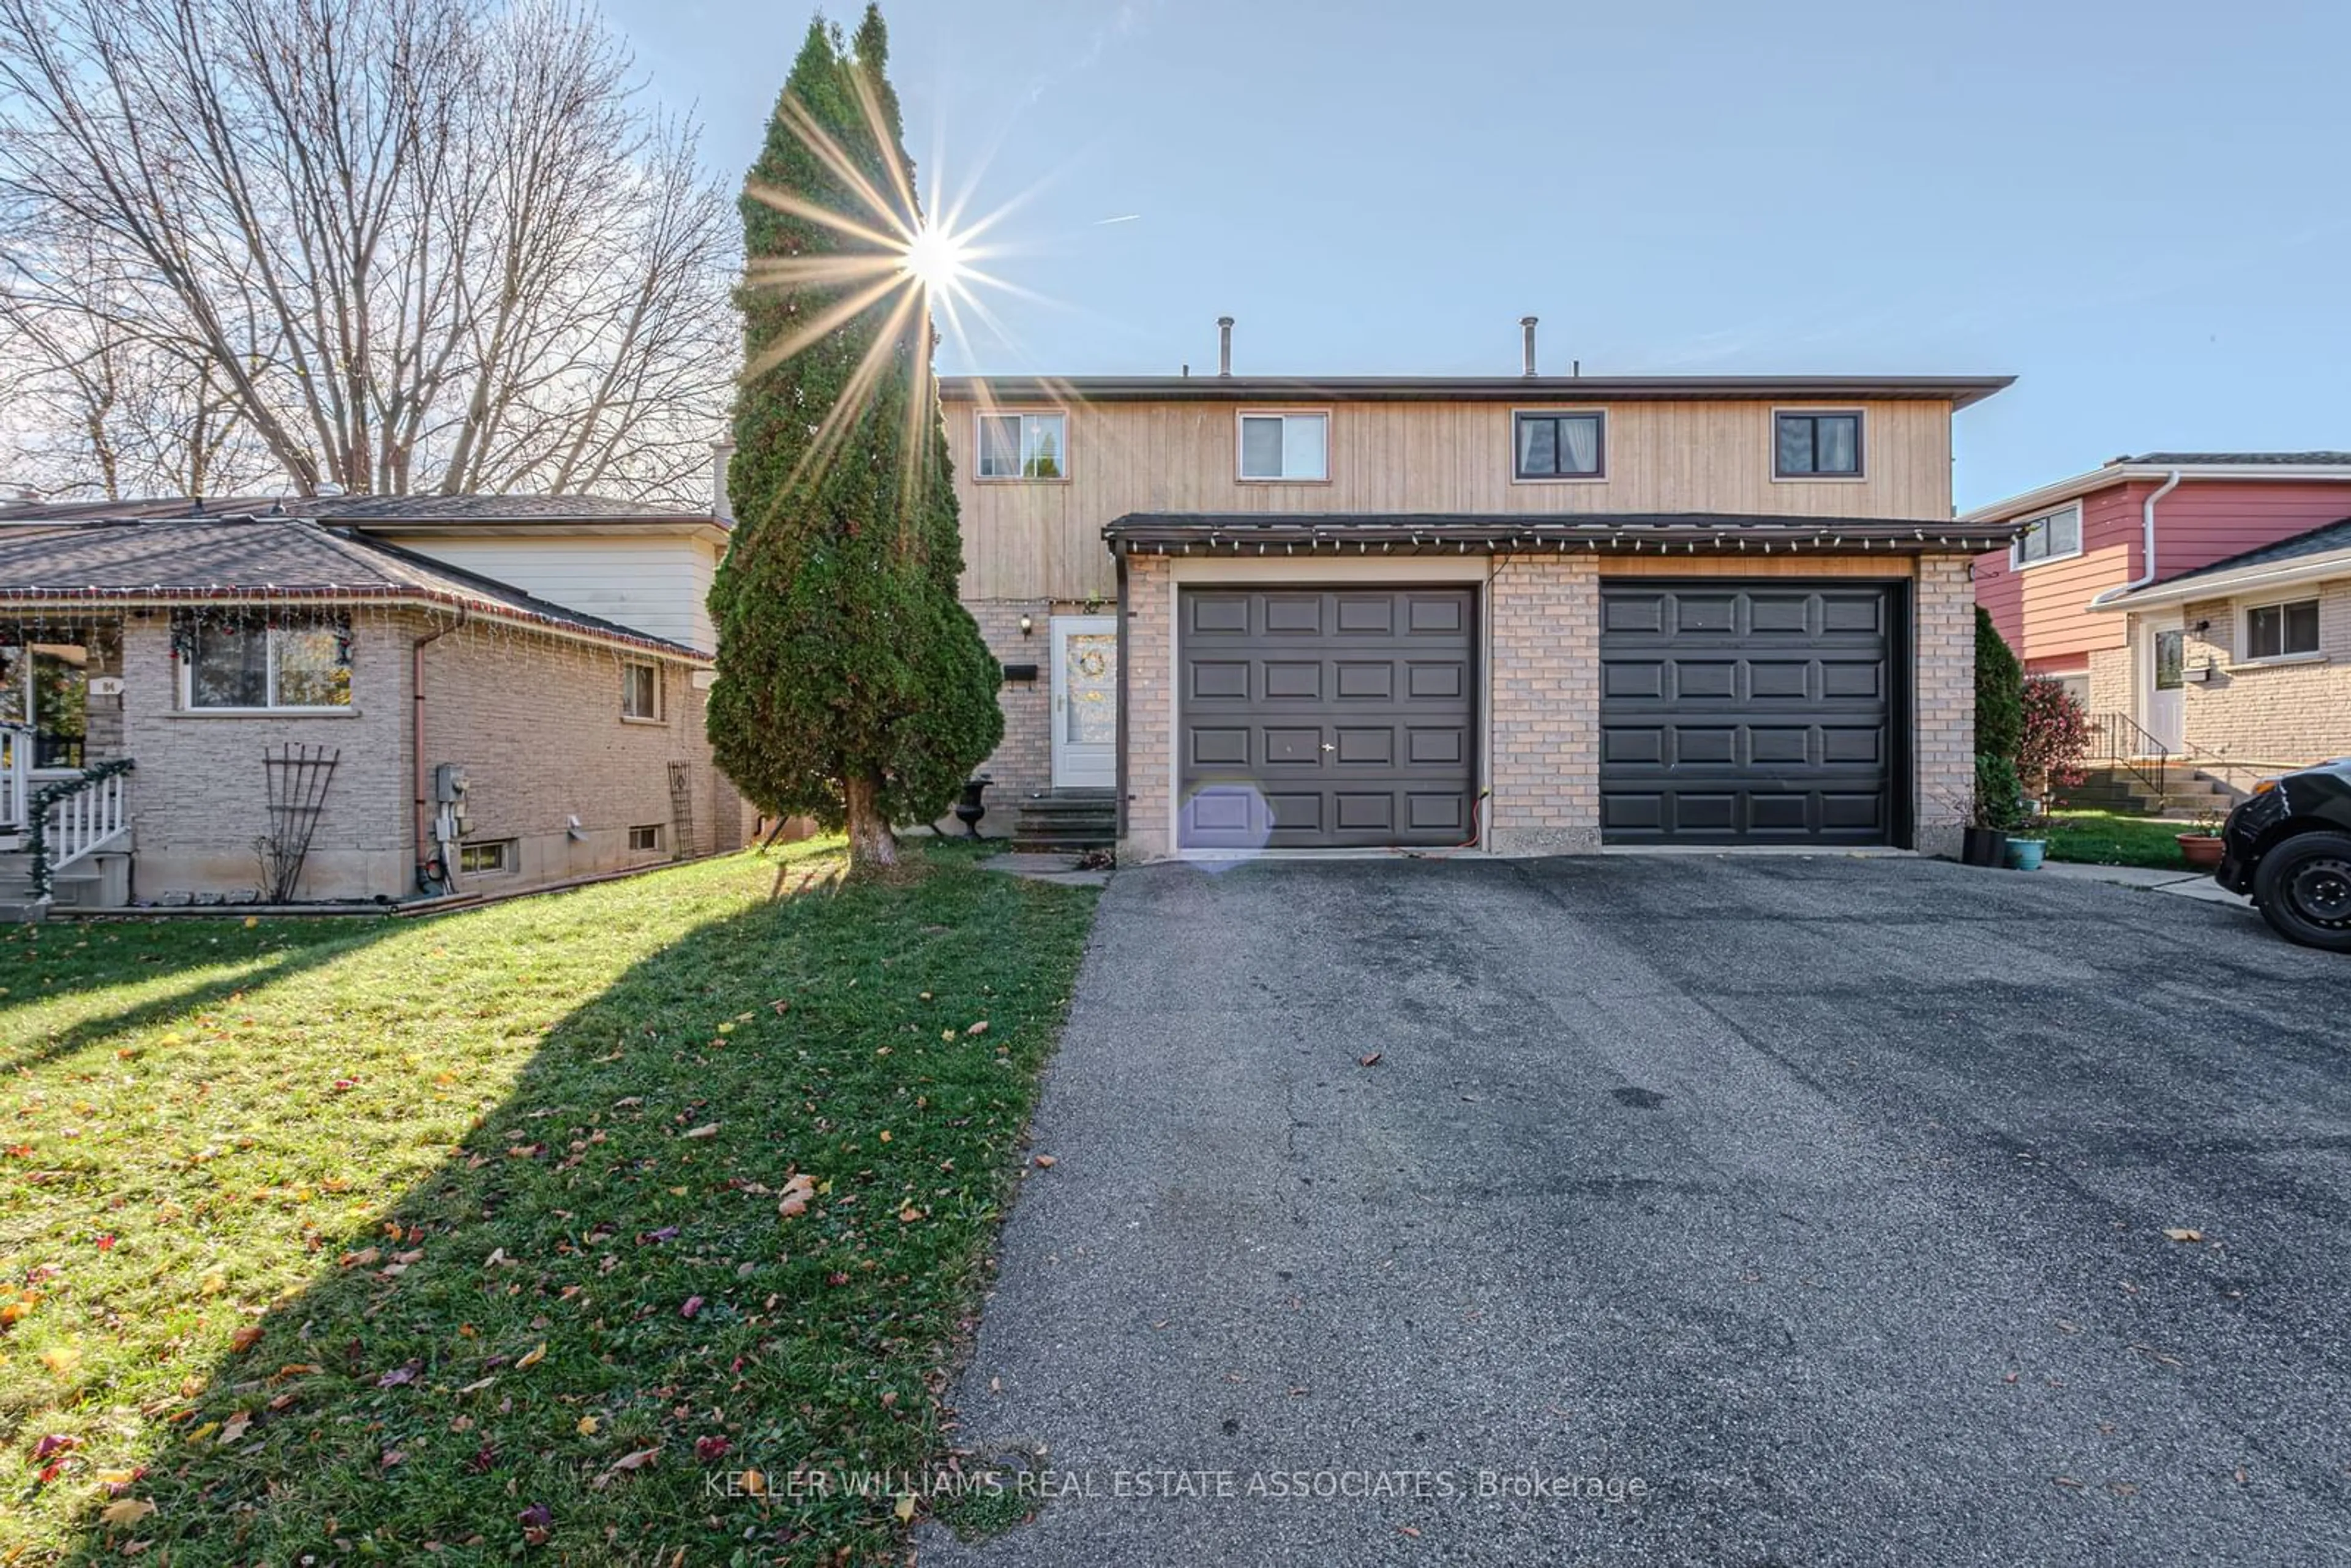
[2160,673]
[1085,702]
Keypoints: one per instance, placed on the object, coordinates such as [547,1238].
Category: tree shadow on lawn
[230,959]
[599,1271]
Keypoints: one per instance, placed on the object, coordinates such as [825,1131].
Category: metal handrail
[2121,741]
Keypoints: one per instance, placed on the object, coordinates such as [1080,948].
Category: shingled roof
[246,559]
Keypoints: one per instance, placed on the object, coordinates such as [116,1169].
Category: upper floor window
[1024,446]
[1560,446]
[1816,445]
[2282,630]
[2052,536]
[1285,446]
[245,659]
[639,690]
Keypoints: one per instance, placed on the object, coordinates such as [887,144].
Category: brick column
[1543,640]
[1149,746]
[1943,639]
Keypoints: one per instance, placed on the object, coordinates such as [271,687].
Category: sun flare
[937,258]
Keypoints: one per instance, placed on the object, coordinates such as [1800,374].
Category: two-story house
[2198,602]
[1529,614]
[325,670]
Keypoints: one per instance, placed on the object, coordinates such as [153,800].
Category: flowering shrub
[2056,737]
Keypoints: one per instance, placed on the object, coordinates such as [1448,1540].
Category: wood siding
[2043,609]
[658,586]
[1043,538]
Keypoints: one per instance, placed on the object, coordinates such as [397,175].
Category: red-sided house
[2149,587]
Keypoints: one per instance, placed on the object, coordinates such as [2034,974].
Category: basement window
[1285,446]
[2052,536]
[492,856]
[647,837]
[2282,630]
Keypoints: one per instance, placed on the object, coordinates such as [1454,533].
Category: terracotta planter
[2201,850]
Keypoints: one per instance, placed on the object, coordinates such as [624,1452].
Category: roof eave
[1959,391]
[29,598]
[2061,491]
[2288,573]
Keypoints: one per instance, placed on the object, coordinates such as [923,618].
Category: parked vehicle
[2290,847]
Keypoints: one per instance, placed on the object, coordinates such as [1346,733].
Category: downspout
[416,747]
[2146,548]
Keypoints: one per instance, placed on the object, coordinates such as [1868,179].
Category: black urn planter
[970,808]
[1983,846]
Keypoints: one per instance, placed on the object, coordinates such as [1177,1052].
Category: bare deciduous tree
[400,245]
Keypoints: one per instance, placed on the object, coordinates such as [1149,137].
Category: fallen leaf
[979,1027]
[691,1305]
[246,1338]
[906,1508]
[533,1358]
[392,1457]
[1047,1161]
[1370,1060]
[238,1425]
[709,1448]
[708,1130]
[2180,1233]
[586,1426]
[127,1510]
[54,1444]
[625,1464]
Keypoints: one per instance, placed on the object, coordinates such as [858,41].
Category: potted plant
[2028,840]
[1995,805]
[2201,848]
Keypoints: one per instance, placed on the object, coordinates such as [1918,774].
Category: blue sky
[2138,209]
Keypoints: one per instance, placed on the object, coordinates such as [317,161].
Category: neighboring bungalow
[2199,604]
[1523,613]
[197,647]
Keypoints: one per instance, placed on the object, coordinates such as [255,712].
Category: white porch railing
[15,777]
[85,820]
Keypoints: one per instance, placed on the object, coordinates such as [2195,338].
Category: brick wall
[2284,713]
[1023,760]
[2110,681]
[1943,617]
[1543,695]
[534,721]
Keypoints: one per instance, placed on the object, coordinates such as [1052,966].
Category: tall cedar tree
[852,685]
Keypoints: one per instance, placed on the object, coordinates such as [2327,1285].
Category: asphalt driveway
[1695,1209]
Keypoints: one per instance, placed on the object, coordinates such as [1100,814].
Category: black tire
[2304,887]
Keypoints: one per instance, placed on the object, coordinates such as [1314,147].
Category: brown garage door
[1747,713]
[1327,718]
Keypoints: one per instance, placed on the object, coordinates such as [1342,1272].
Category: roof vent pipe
[2146,548]
[1527,328]
[1224,345]
[722,505]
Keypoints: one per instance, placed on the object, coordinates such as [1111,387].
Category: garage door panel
[1332,718]
[1745,713]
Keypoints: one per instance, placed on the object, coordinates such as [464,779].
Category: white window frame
[629,667]
[509,858]
[2016,560]
[1240,424]
[1860,417]
[2243,613]
[329,620]
[1025,415]
[1599,416]
[652,830]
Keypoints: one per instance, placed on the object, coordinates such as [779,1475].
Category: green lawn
[2104,838]
[340,1240]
